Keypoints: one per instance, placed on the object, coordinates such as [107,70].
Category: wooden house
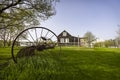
[65,38]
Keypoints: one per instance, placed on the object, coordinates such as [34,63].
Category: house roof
[66,32]
[70,35]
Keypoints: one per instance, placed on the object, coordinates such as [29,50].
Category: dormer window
[64,34]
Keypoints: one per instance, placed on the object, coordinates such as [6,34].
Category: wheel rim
[32,37]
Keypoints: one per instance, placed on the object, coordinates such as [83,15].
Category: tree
[117,39]
[22,10]
[90,38]
[110,43]
[16,15]
[99,44]
[8,35]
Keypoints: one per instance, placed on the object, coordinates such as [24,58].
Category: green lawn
[72,64]
[5,55]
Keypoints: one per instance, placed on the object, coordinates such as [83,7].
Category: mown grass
[5,55]
[92,64]
[72,64]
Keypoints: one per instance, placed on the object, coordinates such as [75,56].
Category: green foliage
[106,43]
[1,43]
[89,37]
[99,44]
[109,43]
[18,13]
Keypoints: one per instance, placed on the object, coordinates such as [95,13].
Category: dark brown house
[65,38]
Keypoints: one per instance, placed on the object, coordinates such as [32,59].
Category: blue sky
[101,17]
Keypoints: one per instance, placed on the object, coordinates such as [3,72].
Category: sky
[101,17]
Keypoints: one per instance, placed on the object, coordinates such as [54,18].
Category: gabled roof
[66,32]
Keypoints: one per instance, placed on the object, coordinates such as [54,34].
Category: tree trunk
[4,43]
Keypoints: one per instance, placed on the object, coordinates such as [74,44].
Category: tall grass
[73,64]
[40,67]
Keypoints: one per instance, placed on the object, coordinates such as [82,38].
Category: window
[64,34]
[67,40]
[61,40]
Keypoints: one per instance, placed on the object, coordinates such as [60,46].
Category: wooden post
[74,41]
[78,41]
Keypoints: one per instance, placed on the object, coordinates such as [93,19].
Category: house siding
[72,39]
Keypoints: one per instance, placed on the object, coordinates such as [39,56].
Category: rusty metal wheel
[34,38]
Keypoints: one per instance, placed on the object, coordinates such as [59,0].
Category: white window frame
[66,40]
[62,40]
[64,34]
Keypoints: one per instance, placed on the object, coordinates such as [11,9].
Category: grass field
[5,55]
[72,64]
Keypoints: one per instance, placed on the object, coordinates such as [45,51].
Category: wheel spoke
[31,36]
[27,39]
[36,36]
[52,36]
[46,34]
[41,34]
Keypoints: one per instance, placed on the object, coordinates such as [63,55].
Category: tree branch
[3,9]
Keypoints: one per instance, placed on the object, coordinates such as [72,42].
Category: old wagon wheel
[31,39]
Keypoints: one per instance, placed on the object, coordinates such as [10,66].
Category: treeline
[5,43]
[115,43]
